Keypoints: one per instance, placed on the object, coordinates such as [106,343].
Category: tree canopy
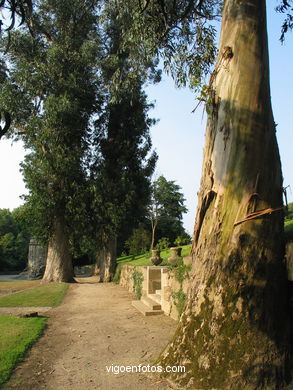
[14,240]
[166,209]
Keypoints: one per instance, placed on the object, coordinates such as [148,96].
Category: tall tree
[167,205]
[122,174]
[235,331]
[237,317]
[53,93]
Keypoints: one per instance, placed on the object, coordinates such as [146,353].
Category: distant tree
[139,241]
[166,206]
[14,240]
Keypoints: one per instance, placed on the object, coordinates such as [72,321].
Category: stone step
[155,297]
[159,292]
[151,303]
[144,309]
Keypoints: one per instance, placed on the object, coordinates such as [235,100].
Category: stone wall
[157,278]
[126,279]
[170,289]
[170,286]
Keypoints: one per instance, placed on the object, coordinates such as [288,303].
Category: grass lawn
[14,286]
[145,258]
[16,335]
[50,294]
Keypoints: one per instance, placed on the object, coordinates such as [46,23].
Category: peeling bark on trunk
[106,262]
[59,267]
[235,331]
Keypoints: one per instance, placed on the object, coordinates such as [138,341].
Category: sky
[179,136]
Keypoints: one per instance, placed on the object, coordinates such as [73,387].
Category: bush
[137,277]
[184,239]
[289,231]
[163,244]
[139,241]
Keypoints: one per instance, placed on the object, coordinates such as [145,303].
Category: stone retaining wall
[169,285]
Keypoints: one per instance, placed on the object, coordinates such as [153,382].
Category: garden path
[94,327]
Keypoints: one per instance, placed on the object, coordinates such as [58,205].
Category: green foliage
[137,277]
[289,212]
[181,32]
[16,336]
[289,231]
[289,223]
[122,162]
[46,295]
[52,93]
[181,271]
[182,239]
[139,241]
[163,243]
[179,300]
[168,201]
[14,240]
[166,209]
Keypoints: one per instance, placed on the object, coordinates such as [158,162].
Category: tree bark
[154,223]
[106,261]
[235,331]
[59,267]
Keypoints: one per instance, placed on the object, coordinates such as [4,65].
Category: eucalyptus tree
[52,93]
[235,330]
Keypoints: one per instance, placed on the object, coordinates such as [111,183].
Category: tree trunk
[154,223]
[234,333]
[106,261]
[59,266]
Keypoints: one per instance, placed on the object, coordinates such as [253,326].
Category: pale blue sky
[179,136]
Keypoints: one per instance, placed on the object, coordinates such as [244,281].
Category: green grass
[16,336]
[50,294]
[145,258]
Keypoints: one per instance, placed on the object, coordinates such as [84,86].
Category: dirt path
[94,327]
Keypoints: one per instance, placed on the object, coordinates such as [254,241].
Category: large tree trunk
[106,261]
[234,333]
[59,266]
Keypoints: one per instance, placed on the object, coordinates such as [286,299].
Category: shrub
[163,244]
[289,231]
[137,277]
